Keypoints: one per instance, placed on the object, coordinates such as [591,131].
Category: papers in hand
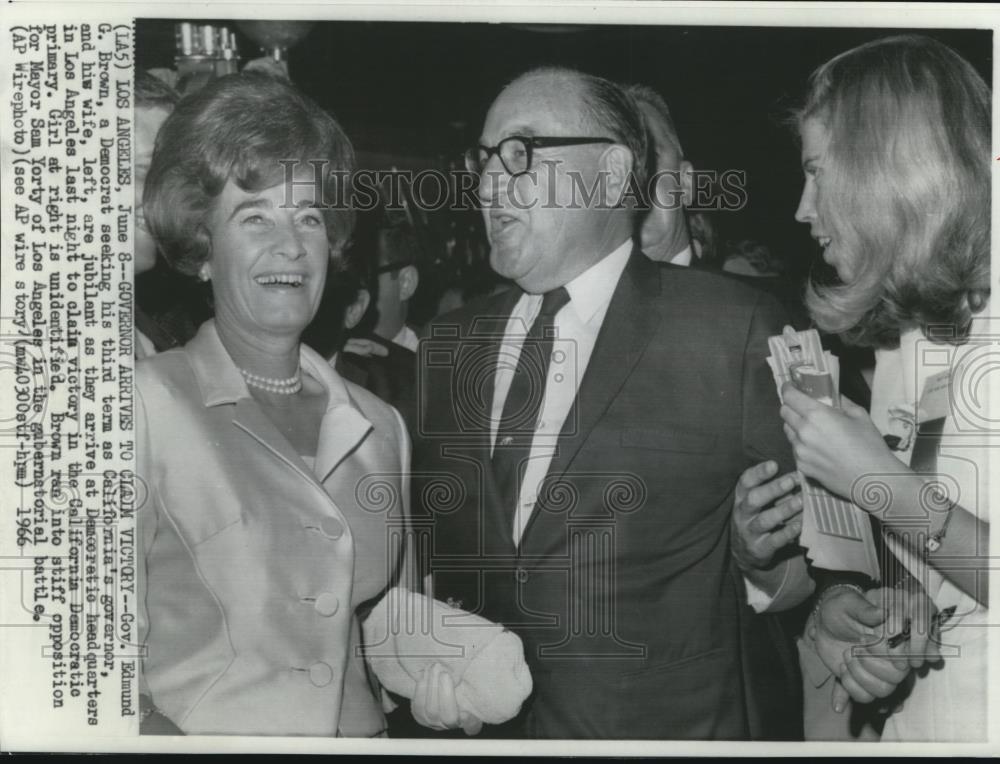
[836,534]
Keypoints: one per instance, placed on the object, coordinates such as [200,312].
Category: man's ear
[357,309]
[616,165]
[409,280]
[687,182]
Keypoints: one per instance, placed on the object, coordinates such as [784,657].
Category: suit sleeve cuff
[757,598]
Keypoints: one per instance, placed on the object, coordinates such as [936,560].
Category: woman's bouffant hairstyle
[905,188]
[151,92]
[240,127]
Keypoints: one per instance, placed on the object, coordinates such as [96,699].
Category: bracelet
[825,595]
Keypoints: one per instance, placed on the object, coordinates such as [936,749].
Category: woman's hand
[877,669]
[910,610]
[845,633]
[434,704]
[767,515]
[837,447]
[845,618]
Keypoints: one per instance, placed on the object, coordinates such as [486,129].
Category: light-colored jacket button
[327,604]
[331,527]
[320,674]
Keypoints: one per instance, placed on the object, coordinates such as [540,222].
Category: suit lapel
[250,418]
[632,318]
[343,429]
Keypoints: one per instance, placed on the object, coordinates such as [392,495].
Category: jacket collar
[220,383]
[218,377]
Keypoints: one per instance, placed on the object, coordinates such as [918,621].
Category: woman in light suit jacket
[275,512]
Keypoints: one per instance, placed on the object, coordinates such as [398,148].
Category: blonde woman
[896,154]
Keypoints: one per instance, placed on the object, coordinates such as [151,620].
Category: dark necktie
[524,399]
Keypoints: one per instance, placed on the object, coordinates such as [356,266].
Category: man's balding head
[547,226]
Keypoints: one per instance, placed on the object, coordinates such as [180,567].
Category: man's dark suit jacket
[391,377]
[623,589]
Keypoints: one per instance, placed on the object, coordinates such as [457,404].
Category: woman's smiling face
[269,257]
[815,142]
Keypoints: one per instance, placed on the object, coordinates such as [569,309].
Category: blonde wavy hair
[906,189]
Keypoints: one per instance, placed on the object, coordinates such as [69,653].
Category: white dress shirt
[684,257]
[407,338]
[576,329]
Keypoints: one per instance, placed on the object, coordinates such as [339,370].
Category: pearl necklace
[287,386]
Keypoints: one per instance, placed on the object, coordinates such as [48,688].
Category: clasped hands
[871,642]
[836,446]
[852,632]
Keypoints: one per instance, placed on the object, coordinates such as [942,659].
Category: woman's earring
[205,273]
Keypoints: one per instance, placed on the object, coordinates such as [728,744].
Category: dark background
[418,92]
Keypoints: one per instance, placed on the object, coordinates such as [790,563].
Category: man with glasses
[579,437]
[397,279]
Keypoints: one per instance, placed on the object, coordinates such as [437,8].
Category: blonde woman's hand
[837,447]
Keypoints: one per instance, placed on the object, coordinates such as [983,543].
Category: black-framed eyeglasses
[516,151]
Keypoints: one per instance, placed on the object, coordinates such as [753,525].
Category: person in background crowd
[346,329]
[705,243]
[910,243]
[397,278]
[343,306]
[452,298]
[166,314]
[541,437]
[259,556]
[154,100]
[670,233]
[753,262]
[751,258]
[664,234]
